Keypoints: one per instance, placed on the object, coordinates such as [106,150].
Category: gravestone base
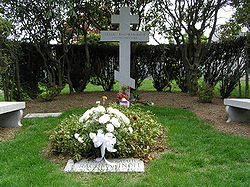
[118,165]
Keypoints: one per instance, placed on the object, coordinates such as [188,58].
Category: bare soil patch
[7,133]
[211,112]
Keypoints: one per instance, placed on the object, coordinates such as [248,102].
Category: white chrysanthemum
[104,118]
[80,140]
[115,122]
[92,135]
[115,111]
[81,119]
[86,115]
[118,114]
[124,119]
[76,135]
[98,102]
[130,129]
[110,127]
[99,109]
[109,110]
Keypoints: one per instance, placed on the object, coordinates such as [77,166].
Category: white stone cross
[124,36]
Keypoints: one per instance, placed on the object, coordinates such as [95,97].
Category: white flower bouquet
[104,124]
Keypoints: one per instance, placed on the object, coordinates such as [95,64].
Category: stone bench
[238,110]
[11,114]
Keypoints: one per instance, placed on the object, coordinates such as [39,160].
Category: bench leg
[237,114]
[11,119]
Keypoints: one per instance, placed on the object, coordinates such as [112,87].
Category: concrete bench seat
[238,110]
[11,114]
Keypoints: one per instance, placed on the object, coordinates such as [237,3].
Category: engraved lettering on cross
[125,36]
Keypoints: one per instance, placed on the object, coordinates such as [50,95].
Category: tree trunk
[192,80]
[7,90]
[247,65]
[247,80]
[45,62]
[191,62]
[68,70]
[240,93]
[60,73]
[18,84]
[87,64]
[86,48]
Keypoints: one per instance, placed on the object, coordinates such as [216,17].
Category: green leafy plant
[136,139]
[63,141]
[206,93]
[50,92]
[135,94]
[145,136]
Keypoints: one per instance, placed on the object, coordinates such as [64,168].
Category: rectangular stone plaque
[118,165]
[42,115]
[130,36]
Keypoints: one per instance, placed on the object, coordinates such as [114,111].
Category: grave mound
[135,136]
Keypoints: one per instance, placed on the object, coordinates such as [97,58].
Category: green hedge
[225,63]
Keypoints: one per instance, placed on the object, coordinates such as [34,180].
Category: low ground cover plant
[205,93]
[49,92]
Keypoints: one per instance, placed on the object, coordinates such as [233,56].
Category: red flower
[120,96]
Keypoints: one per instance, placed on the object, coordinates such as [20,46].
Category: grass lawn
[148,85]
[1,97]
[197,156]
